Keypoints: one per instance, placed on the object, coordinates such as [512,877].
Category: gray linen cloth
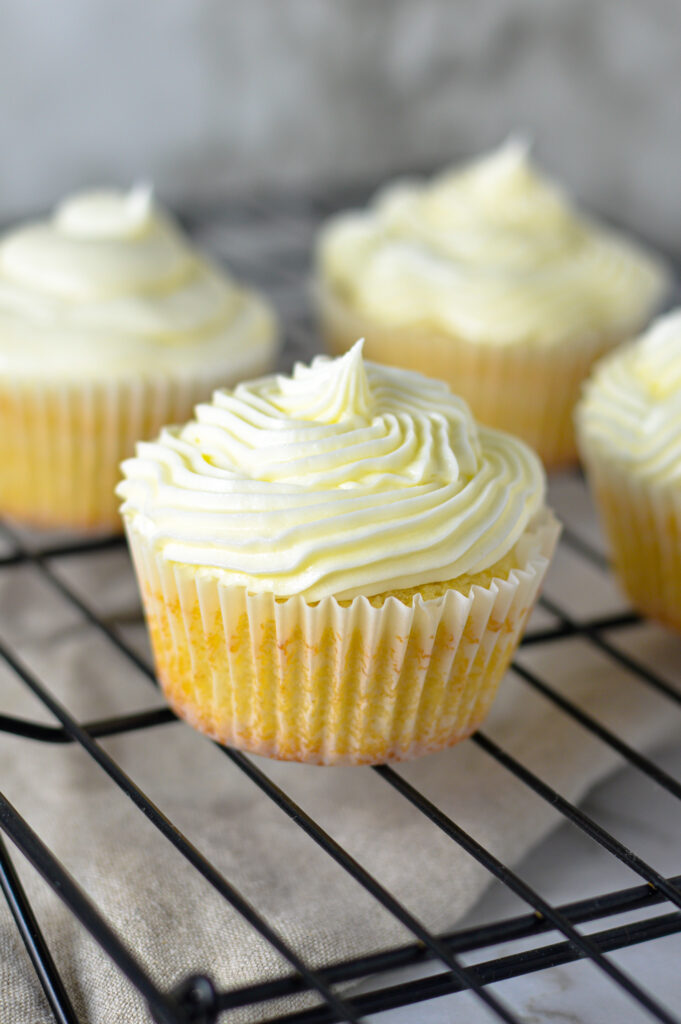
[168,916]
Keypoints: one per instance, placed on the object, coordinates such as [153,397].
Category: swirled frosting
[346,478]
[109,285]
[631,407]
[492,252]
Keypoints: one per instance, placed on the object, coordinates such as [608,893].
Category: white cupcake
[111,325]
[488,278]
[629,432]
[336,567]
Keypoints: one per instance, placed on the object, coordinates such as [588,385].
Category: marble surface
[568,865]
[212,95]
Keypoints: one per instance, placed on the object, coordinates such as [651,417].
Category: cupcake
[488,278]
[629,433]
[111,325]
[336,566]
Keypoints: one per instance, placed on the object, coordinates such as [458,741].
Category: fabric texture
[166,913]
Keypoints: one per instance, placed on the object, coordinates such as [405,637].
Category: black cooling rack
[267,241]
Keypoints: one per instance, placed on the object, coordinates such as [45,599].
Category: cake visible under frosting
[492,252]
[347,478]
[631,408]
[110,286]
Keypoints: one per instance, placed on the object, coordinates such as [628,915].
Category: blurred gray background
[208,98]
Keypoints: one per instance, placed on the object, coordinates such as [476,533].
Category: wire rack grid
[267,241]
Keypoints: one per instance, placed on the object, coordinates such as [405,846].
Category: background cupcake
[629,431]
[336,567]
[486,277]
[111,325]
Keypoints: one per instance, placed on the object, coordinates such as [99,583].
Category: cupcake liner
[335,683]
[527,389]
[61,443]
[643,525]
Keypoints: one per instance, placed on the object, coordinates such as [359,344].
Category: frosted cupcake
[629,432]
[488,278]
[111,325]
[336,566]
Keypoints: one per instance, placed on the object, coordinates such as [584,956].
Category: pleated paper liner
[336,683]
[527,390]
[61,443]
[643,525]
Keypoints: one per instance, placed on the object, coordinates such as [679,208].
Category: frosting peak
[98,247]
[631,407]
[497,208]
[109,285]
[505,167]
[327,392]
[347,478]
[657,360]
[492,251]
[106,214]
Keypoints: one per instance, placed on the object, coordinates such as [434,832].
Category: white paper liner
[642,522]
[61,443]
[527,389]
[332,683]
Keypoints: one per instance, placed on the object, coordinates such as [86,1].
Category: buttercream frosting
[631,407]
[493,252]
[109,285]
[346,478]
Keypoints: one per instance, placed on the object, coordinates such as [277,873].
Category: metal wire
[493,971]
[34,941]
[53,873]
[513,882]
[171,832]
[196,999]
